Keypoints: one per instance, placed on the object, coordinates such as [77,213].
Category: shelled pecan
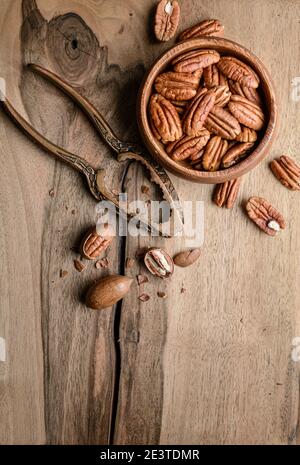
[221,122]
[238,71]
[198,111]
[165,119]
[247,113]
[236,153]
[208,27]
[247,135]
[214,152]
[188,146]
[248,92]
[177,86]
[225,194]
[166,19]
[213,77]
[222,94]
[196,59]
[265,216]
[287,171]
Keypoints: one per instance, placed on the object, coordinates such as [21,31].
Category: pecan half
[236,153]
[222,123]
[247,135]
[165,119]
[222,94]
[247,113]
[248,92]
[265,216]
[213,77]
[180,106]
[225,194]
[166,19]
[214,152]
[196,59]
[189,146]
[196,157]
[177,86]
[287,171]
[197,112]
[208,27]
[238,71]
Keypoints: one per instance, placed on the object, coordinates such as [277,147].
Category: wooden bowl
[224,47]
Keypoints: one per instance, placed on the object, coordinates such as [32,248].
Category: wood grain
[210,366]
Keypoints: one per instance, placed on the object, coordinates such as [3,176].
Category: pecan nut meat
[219,121]
[236,153]
[166,19]
[238,71]
[247,135]
[196,59]
[189,146]
[165,119]
[222,94]
[287,171]
[265,216]
[198,111]
[214,152]
[208,27]
[247,113]
[213,77]
[248,92]
[177,86]
[226,194]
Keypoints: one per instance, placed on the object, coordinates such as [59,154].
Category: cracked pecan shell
[208,27]
[214,152]
[189,146]
[236,154]
[247,135]
[213,77]
[197,112]
[221,122]
[247,113]
[265,216]
[165,120]
[226,194]
[287,171]
[196,59]
[238,71]
[222,94]
[166,19]
[177,86]
[248,92]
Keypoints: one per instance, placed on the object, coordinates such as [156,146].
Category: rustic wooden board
[212,365]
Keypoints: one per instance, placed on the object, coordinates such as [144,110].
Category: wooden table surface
[211,366]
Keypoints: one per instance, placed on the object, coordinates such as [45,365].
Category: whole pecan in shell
[225,194]
[221,122]
[166,19]
[222,94]
[208,27]
[287,171]
[236,153]
[165,119]
[265,216]
[213,77]
[177,86]
[238,71]
[247,113]
[197,112]
[214,152]
[196,59]
[189,146]
[248,92]
[187,257]
[247,135]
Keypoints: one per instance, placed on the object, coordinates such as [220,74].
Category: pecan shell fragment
[225,194]
[265,216]
[208,27]
[166,19]
[238,71]
[287,171]
[166,123]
